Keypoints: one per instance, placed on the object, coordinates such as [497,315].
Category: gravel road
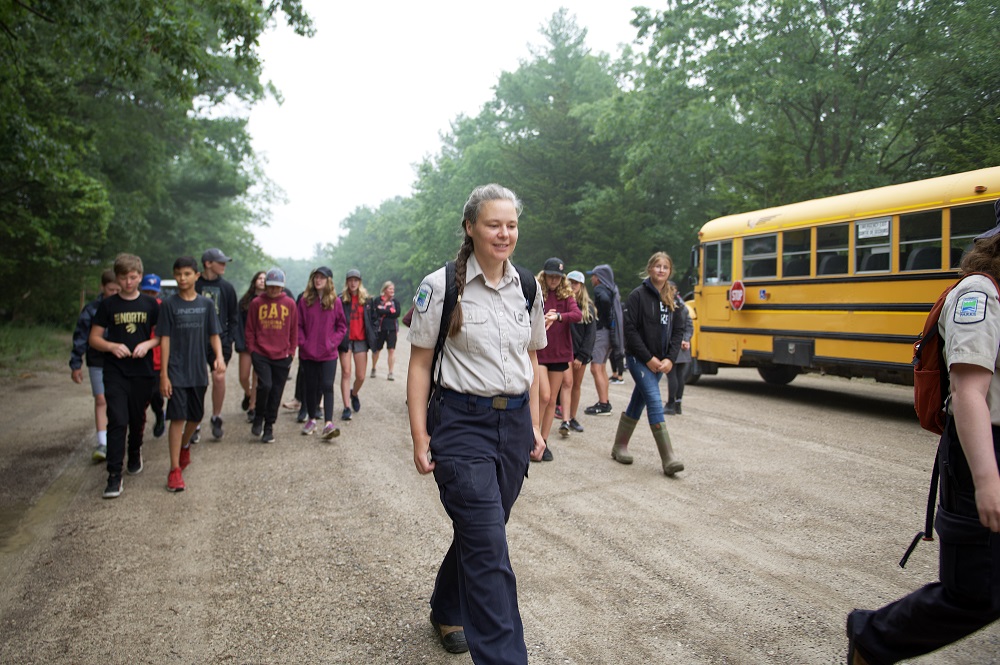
[796,504]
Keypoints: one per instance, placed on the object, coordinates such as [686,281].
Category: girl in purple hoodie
[322,325]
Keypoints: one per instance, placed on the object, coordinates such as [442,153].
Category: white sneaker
[309,427]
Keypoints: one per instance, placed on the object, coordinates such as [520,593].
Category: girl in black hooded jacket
[654,329]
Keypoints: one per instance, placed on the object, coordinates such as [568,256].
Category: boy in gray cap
[212,285]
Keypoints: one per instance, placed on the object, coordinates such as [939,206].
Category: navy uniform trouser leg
[967,596]
[481,459]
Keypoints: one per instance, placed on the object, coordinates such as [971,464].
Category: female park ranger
[483,427]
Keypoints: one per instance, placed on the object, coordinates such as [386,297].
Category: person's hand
[654,364]
[219,366]
[140,350]
[577,364]
[77,375]
[422,455]
[666,365]
[539,447]
[988,506]
[121,351]
[551,317]
[166,388]
[685,345]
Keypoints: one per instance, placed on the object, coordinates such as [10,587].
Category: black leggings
[318,377]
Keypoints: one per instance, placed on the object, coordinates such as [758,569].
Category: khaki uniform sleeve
[427,306]
[970,323]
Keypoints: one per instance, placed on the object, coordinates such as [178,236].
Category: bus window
[966,223]
[718,259]
[760,256]
[795,252]
[872,245]
[832,247]
[920,240]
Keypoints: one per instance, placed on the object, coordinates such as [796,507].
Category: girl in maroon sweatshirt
[272,335]
[561,311]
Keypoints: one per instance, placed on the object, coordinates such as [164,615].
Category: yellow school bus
[839,285]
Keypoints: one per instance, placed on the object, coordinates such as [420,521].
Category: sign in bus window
[832,249]
[920,240]
[873,244]
[718,262]
[966,223]
[796,248]
[760,256]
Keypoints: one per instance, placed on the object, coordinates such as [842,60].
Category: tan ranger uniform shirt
[970,328]
[490,356]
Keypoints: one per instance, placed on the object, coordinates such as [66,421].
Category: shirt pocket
[520,332]
[474,332]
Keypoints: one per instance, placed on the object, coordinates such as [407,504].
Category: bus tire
[778,375]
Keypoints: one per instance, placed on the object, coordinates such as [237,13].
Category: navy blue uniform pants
[966,598]
[127,397]
[481,460]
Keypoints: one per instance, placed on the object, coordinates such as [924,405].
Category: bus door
[717,278]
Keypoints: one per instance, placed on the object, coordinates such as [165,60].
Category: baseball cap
[274,277]
[214,254]
[326,272]
[150,282]
[575,275]
[353,272]
[996,229]
[553,266]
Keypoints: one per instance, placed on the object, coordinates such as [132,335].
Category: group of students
[142,350]
[580,331]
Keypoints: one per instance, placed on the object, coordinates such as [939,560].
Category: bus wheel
[778,375]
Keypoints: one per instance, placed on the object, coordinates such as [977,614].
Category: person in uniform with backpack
[474,421]
[967,596]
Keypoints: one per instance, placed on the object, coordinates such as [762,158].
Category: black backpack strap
[450,300]
[529,286]
[928,533]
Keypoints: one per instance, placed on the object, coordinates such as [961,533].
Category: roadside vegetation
[26,348]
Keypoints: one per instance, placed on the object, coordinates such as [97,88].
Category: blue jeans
[646,392]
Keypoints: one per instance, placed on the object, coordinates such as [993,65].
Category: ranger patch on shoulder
[970,307]
[423,298]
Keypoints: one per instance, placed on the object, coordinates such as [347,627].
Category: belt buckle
[500,403]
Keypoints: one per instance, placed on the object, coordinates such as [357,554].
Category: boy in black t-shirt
[188,326]
[128,319]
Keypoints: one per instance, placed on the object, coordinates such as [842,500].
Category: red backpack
[930,376]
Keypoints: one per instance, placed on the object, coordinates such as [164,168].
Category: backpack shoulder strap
[450,300]
[529,286]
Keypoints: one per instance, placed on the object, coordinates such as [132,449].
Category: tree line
[716,107]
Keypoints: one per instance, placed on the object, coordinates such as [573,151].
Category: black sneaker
[134,465]
[355,402]
[547,454]
[564,429]
[160,425]
[245,404]
[302,417]
[268,435]
[196,437]
[346,415]
[575,426]
[217,427]
[251,414]
[599,409]
[114,488]
[616,380]
[257,429]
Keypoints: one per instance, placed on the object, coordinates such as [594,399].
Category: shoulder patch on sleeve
[423,298]
[970,307]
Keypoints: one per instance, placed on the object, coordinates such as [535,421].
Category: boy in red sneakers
[187,327]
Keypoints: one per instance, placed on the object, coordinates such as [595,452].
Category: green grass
[24,348]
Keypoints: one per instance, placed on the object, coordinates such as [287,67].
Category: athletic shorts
[385,338]
[187,404]
[227,354]
[602,346]
[556,367]
[96,380]
[357,346]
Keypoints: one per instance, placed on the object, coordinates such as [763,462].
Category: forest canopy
[112,139]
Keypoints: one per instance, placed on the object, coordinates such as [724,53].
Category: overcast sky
[368,97]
